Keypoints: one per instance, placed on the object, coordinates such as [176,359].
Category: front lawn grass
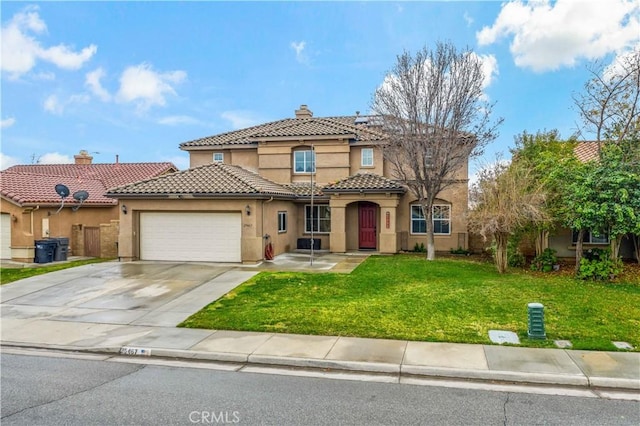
[8,275]
[447,300]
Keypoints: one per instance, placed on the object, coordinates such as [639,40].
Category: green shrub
[515,259]
[597,265]
[544,261]
[419,248]
[460,250]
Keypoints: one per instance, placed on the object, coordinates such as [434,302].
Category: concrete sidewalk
[617,370]
[133,308]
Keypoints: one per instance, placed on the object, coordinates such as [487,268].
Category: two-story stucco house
[279,182]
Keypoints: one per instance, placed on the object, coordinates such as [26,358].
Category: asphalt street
[46,390]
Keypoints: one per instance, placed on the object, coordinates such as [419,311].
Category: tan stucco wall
[356,161]
[28,225]
[254,226]
[335,160]
[457,197]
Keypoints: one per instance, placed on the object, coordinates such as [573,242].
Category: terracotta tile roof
[215,179]
[303,189]
[111,174]
[35,183]
[29,188]
[586,151]
[365,182]
[293,127]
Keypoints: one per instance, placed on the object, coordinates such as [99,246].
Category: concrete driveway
[138,293]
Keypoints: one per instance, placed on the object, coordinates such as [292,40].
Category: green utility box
[536,321]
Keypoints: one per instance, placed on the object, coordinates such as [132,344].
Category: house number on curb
[126,350]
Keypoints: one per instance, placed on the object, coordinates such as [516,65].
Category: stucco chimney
[83,157]
[303,112]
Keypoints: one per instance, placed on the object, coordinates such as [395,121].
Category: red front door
[367,226]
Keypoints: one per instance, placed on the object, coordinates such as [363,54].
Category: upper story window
[590,238]
[218,157]
[441,219]
[367,157]
[304,161]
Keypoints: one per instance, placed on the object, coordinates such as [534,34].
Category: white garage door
[5,236]
[201,237]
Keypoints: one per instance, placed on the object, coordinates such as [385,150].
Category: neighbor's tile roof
[29,188]
[586,151]
[291,127]
[365,182]
[35,183]
[111,174]
[211,179]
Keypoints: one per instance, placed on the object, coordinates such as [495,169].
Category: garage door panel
[208,237]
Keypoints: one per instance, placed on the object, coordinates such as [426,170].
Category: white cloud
[7,161]
[21,50]
[298,47]
[53,105]
[467,18]
[92,81]
[489,68]
[548,36]
[54,158]
[241,119]
[177,120]
[145,87]
[7,122]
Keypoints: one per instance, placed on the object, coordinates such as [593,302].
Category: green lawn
[8,275]
[406,297]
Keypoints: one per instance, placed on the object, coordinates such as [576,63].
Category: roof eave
[249,145]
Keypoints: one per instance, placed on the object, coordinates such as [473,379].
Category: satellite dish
[62,190]
[79,196]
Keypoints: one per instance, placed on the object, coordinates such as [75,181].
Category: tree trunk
[579,249]
[500,256]
[431,245]
[615,247]
[542,241]
[636,246]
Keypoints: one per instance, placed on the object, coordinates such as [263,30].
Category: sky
[136,79]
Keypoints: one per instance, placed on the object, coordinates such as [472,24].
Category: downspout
[264,236]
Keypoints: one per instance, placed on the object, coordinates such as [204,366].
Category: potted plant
[545,261]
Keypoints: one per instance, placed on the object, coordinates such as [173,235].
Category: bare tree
[609,106]
[432,108]
[506,199]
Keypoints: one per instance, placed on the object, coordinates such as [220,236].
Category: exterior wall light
[247,210]
[124,209]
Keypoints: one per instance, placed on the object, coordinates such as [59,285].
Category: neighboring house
[564,240]
[253,186]
[29,209]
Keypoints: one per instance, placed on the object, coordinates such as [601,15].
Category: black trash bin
[62,249]
[44,251]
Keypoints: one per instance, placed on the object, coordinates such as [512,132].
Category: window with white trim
[304,161]
[320,220]
[367,157]
[589,238]
[282,222]
[441,219]
[218,157]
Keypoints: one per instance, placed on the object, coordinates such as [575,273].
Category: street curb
[508,376]
[578,380]
[371,367]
